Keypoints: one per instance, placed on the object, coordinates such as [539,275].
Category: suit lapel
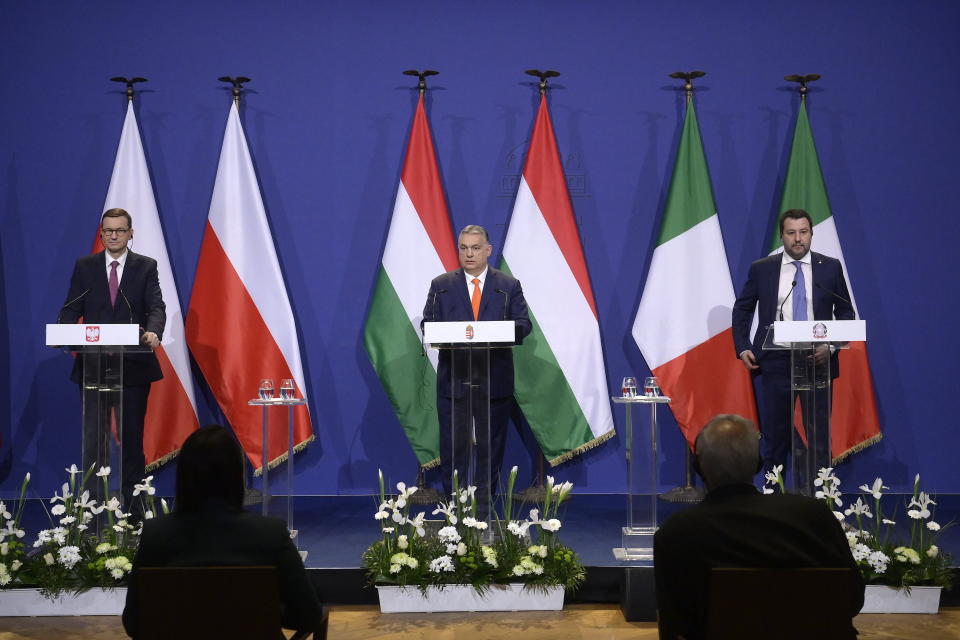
[489,291]
[820,298]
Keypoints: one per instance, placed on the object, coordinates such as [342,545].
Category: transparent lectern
[811,344]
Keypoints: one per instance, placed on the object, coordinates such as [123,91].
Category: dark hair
[472,229]
[728,450]
[795,214]
[117,213]
[209,468]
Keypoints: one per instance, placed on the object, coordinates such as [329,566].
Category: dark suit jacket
[449,300]
[763,282]
[223,536]
[140,286]
[737,526]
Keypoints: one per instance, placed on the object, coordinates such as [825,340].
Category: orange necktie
[475,300]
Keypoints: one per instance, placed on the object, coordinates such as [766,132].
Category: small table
[642,482]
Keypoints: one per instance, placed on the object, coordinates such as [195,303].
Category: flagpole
[689,492]
[802,80]
[129,82]
[237,83]
[425,495]
[537,492]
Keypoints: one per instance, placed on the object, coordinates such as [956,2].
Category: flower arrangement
[884,557]
[72,556]
[463,551]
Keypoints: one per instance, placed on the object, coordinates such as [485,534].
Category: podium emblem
[93,333]
[819,331]
[469,332]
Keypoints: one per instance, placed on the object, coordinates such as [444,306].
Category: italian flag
[420,245]
[561,383]
[240,325]
[683,323]
[171,408]
[854,423]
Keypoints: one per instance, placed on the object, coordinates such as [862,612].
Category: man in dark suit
[475,291]
[796,284]
[737,526]
[119,286]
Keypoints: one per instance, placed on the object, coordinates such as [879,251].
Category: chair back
[190,603]
[786,604]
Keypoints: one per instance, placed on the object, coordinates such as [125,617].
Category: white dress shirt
[788,272]
[122,260]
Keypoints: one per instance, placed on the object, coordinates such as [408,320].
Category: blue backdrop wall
[327,116]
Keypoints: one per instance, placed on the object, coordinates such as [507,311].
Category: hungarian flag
[240,326]
[420,245]
[171,408]
[854,421]
[683,323]
[561,383]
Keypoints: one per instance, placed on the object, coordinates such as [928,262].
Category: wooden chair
[786,604]
[190,603]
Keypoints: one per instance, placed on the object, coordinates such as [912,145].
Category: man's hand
[150,339]
[749,360]
[821,354]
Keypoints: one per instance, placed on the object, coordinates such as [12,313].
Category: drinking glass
[629,387]
[286,389]
[266,389]
[650,387]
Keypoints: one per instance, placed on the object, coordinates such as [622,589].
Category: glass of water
[286,389]
[266,389]
[629,387]
[650,387]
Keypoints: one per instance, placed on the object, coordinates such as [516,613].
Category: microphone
[506,299]
[835,295]
[433,305]
[793,285]
[129,308]
[77,299]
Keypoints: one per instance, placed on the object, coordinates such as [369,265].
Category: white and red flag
[171,409]
[240,325]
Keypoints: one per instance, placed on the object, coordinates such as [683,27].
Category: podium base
[684,494]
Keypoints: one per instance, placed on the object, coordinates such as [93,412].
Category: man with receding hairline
[737,526]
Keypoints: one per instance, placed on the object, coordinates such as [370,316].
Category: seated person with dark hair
[737,526]
[209,527]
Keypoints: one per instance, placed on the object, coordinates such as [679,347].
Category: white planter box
[881,599]
[29,602]
[457,597]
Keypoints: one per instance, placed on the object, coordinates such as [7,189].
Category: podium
[811,344]
[642,481]
[467,346]
[101,348]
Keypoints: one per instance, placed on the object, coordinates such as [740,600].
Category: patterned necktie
[475,299]
[114,282]
[799,294]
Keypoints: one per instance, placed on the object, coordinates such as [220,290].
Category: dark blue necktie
[799,294]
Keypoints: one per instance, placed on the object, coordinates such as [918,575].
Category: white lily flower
[103,472]
[875,490]
[933,526]
[859,508]
[72,470]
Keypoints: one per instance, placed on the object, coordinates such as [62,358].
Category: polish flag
[240,326]
[171,409]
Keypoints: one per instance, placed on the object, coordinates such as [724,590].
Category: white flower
[878,561]
[148,515]
[885,521]
[839,515]
[388,529]
[451,548]
[16,564]
[443,563]
[145,487]
[48,558]
[72,470]
[551,525]
[381,515]
[538,550]
[489,556]
[417,523]
[4,548]
[402,542]
[922,500]
[906,554]
[104,547]
[772,477]
[875,490]
[859,508]
[933,526]
[480,525]
[67,520]
[824,475]
[860,551]
[518,528]
[66,494]
[103,472]
[467,494]
[69,556]
[58,509]
[5,577]
[394,568]
[3,511]
[448,534]
[449,511]
[933,551]
[518,570]
[461,549]
[59,535]
[84,501]
[767,490]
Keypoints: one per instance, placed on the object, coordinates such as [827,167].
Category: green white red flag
[561,382]
[420,245]
[683,323]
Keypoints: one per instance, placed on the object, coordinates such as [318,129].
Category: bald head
[727,450]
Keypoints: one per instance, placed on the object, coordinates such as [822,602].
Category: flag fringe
[156,464]
[582,448]
[859,447]
[283,457]
[430,464]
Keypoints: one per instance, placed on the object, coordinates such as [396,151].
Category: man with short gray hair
[737,526]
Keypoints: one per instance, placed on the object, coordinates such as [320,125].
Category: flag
[171,408]
[240,326]
[854,421]
[683,323]
[561,383]
[420,246]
